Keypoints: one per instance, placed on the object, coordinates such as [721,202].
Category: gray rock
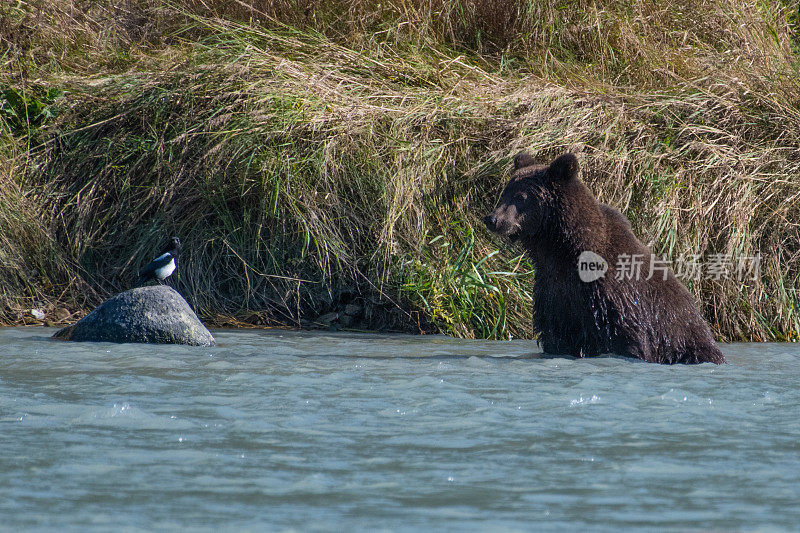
[156,314]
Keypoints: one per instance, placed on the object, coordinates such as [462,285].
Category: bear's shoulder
[619,235]
[613,216]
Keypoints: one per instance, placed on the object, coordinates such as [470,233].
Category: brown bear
[589,298]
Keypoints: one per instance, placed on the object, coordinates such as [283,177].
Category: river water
[275,430]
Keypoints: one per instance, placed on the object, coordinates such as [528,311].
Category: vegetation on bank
[315,155]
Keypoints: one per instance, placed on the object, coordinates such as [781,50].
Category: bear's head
[529,200]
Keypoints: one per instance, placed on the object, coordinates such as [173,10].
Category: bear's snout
[503,220]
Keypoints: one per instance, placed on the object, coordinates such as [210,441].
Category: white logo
[591,266]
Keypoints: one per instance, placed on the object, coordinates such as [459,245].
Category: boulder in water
[156,314]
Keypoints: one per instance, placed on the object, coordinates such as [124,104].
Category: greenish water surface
[275,430]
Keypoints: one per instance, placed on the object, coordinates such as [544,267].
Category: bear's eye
[522,196]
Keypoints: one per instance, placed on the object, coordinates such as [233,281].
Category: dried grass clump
[315,154]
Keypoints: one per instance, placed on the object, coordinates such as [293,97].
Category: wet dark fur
[556,217]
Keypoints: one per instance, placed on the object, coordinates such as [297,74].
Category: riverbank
[318,158]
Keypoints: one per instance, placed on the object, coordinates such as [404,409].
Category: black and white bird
[162,266]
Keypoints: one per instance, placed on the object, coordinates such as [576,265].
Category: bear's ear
[522,160]
[563,168]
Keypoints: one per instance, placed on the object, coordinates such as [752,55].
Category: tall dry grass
[313,154]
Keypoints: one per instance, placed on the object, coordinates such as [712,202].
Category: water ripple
[323,431]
